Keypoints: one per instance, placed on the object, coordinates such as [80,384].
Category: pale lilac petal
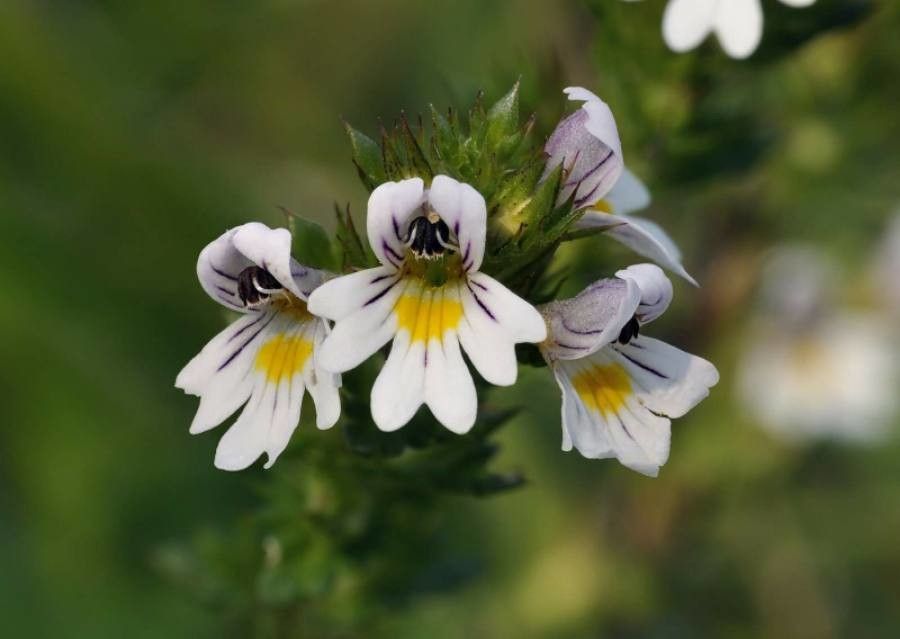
[587,144]
[656,290]
[642,236]
[589,321]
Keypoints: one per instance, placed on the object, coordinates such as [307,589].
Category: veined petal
[231,383]
[218,268]
[520,320]
[252,244]
[391,206]
[628,195]
[425,364]
[449,389]
[281,365]
[603,417]
[592,319]
[342,296]
[739,24]
[642,236]
[587,144]
[656,290]
[364,318]
[666,380]
[464,211]
[686,23]
[195,376]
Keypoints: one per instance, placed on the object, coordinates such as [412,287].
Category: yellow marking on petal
[603,389]
[294,308]
[283,356]
[604,206]
[427,313]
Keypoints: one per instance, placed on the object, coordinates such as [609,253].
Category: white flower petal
[686,23]
[642,236]
[592,319]
[519,319]
[587,144]
[463,209]
[322,385]
[342,296]
[603,417]
[270,249]
[399,389]
[218,268]
[391,205]
[489,347]
[798,3]
[656,290]
[356,336]
[232,382]
[739,25]
[195,376]
[628,194]
[666,380]
[281,364]
[449,389]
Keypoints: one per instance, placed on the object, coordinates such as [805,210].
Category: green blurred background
[132,133]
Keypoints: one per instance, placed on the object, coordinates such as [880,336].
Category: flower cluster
[460,240]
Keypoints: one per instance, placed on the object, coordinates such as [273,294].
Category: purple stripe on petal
[225,290]
[389,251]
[381,294]
[650,370]
[245,344]
[243,329]
[222,273]
[579,332]
[480,303]
[569,346]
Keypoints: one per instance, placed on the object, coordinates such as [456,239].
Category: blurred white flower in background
[737,24]
[814,369]
[885,273]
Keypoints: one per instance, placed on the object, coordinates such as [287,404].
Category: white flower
[620,388]
[837,379]
[265,359]
[885,272]
[587,144]
[429,298]
[738,24]
[812,369]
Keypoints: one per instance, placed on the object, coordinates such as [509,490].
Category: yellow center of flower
[604,206]
[603,389]
[282,356]
[426,314]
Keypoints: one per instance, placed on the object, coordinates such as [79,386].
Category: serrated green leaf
[367,157]
[502,120]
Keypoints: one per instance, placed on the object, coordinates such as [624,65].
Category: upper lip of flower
[222,262]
